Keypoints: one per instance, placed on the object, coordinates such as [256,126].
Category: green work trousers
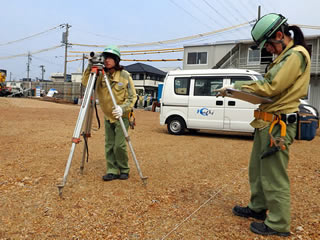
[268,177]
[116,147]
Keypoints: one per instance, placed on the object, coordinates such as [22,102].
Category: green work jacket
[122,88]
[286,82]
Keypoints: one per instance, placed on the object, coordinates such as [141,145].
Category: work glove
[117,112]
[222,92]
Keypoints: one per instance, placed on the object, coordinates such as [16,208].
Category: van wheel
[176,126]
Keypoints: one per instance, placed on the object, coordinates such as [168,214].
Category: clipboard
[246,96]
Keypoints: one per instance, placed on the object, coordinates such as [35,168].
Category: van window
[205,86]
[235,79]
[181,85]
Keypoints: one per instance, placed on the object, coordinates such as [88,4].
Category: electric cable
[32,53]
[178,6]
[34,35]
[237,10]
[169,41]
[217,12]
[201,10]
[104,36]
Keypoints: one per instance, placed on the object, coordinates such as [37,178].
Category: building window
[181,86]
[197,58]
[253,56]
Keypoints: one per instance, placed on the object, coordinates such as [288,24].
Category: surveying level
[85,114]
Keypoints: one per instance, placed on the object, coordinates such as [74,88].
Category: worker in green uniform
[125,95]
[285,82]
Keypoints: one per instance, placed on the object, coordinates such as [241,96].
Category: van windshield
[259,77]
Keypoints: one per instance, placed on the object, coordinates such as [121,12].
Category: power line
[237,10]
[201,10]
[227,19]
[170,41]
[217,12]
[105,36]
[35,52]
[178,6]
[34,35]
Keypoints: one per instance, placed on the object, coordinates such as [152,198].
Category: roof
[143,68]
[228,71]
[246,41]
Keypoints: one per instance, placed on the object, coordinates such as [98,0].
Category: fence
[68,91]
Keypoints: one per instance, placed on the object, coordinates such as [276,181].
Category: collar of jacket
[279,58]
[114,77]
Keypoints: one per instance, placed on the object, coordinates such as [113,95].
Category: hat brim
[261,45]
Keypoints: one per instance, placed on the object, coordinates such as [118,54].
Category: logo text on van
[205,111]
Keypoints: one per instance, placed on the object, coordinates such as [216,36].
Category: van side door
[205,111]
[238,113]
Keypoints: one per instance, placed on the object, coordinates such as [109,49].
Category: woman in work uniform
[125,95]
[286,81]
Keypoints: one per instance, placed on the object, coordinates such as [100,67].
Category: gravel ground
[193,182]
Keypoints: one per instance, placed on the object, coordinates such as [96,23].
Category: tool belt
[270,117]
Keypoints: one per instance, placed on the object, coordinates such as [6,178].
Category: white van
[189,101]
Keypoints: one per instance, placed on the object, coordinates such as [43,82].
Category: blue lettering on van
[205,111]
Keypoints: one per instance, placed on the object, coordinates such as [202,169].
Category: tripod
[85,114]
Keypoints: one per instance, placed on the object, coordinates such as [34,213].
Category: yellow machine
[3,74]
[3,89]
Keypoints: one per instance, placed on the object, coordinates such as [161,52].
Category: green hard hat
[112,49]
[265,27]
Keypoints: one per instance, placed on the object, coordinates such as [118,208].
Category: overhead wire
[217,12]
[183,9]
[34,35]
[105,36]
[168,41]
[217,21]
[249,8]
[237,11]
[35,52]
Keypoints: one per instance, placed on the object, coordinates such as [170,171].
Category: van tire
[176,126]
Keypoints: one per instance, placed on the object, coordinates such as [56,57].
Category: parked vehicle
[189,101]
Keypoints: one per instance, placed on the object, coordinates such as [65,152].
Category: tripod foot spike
[144,181]
[60,187]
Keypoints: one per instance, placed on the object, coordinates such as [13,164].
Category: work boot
[262,229]
[110,177]
[247,212]
[124,176]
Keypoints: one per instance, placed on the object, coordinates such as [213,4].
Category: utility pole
[42,71]
[10,76]
[28,69]
[259,12]
[65,41]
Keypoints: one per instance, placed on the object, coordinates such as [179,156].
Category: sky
[127,22]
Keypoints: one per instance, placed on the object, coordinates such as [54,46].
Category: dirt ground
[193,182]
